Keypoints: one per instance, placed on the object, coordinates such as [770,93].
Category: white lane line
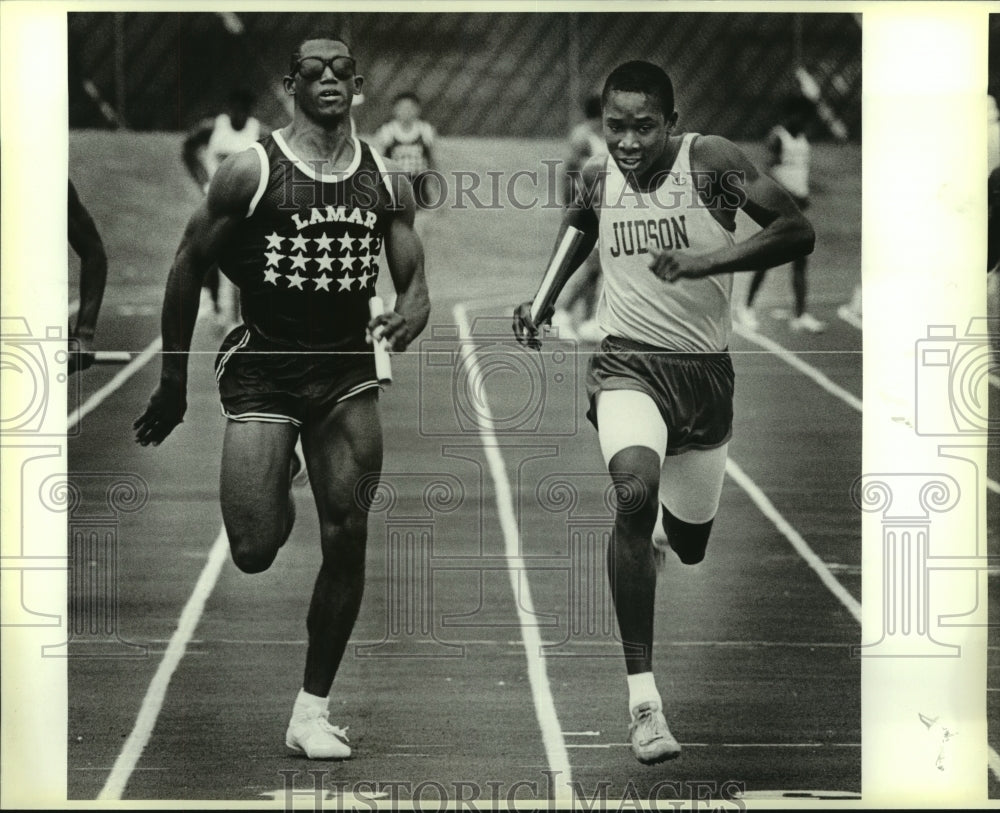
[808,370]
[114,787]
[794,361]
[994,762]
[545,709]
[818,565]
[120,378]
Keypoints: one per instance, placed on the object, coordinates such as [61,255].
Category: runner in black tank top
[297,222]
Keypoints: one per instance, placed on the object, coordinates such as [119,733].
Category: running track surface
[485,550]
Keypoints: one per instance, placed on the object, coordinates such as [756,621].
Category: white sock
[309,704]
[642,689]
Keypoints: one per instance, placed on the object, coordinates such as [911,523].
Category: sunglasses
[313,67]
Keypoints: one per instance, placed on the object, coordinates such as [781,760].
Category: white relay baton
[383,364]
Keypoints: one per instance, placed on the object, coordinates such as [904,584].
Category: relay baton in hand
[383,365]
[556,274]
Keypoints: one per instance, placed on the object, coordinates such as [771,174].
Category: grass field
[447,683]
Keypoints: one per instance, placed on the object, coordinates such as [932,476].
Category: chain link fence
[496,74]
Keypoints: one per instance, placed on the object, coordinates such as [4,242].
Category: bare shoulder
[235,183]
[405,206]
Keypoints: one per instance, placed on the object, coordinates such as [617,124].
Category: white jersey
[408,147]
[792,172]
[226,141]
[689,315]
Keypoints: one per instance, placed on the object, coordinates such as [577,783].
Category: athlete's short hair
[642,77]
[297,53]
[407,94]
[798,106]
[592,107]
[242,98]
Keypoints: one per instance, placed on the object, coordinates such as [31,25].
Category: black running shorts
[261,381]
[693,391]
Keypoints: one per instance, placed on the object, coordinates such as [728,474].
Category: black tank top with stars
[306,257]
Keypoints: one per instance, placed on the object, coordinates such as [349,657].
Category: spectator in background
[408,141]
[207,145]
[86,242]
[789,159]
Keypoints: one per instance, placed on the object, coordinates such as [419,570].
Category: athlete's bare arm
[732,182]
[581,214]
[226,205]
[86,242]
[405,257]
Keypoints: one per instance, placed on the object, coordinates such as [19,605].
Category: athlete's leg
[341,448]
[799,285]
[254,490]
[633,440]
[690,488]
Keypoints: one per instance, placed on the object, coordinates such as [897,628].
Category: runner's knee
[344,536]
[688,540]
[635,472]
[252,554]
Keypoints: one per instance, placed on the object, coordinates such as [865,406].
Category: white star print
[348,262]
[273,257]
[345,242]
[298,261]
[323,281]
[274,240]
[299,242]
[325,262]
[363,279]
[367,260]
[323,243]
[345,283]
[294,280]
[270,275]
[365,241]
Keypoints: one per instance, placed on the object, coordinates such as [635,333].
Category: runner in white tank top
[661,385]
[695,315]
[788,148]
[226,140]
[207,145]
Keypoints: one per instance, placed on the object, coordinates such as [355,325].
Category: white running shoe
[807,322]
[590,331]
[317,738]
[649,736]
[746,316]
[849,314]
